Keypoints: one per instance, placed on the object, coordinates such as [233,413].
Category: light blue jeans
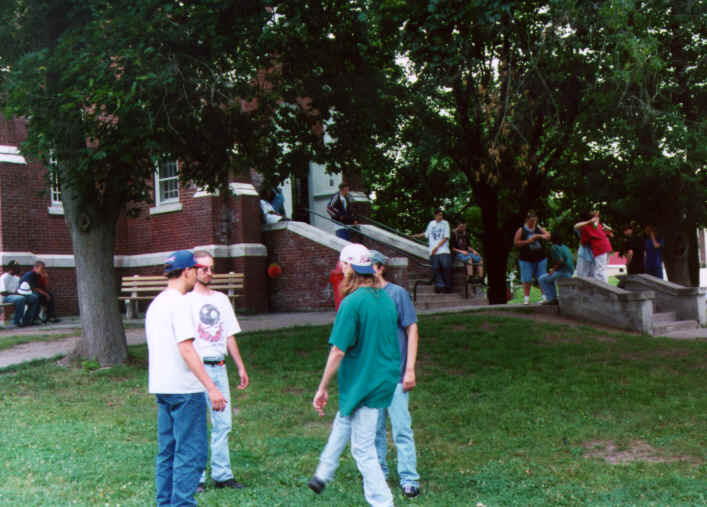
[181,438]
[220,427]
[360,429]
[547,283]
[401,427]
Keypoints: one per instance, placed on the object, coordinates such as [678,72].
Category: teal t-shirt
[562,253]
[366,329]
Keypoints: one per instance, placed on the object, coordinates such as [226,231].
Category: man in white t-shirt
[437,234]
[216,325]
[177,378]
[9,293]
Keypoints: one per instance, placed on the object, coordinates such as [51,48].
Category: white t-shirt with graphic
[169,322]
[215,321]
[434,233]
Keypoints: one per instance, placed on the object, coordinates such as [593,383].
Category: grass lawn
[507,412]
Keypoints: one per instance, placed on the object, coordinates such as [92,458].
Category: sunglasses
[204,268]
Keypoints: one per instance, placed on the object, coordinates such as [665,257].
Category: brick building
[32,228]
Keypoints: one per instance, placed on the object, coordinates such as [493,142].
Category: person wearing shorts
[533,262]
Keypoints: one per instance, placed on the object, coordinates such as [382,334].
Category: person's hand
[218,401]
[409,380]
[244,379]
[320,400]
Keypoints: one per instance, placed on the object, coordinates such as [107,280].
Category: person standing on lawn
[562,267]
[216,326]
[177,378]
[400,420]
[365,354]
[532,260]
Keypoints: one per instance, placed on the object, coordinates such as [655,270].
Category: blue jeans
[360,428]
[22,317]
[547,283]
[220,427]
[530,270]
[442,268]
[401,427]
[343,234]
[181,438]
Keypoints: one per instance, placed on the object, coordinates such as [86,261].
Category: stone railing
[601,303]
[688,303]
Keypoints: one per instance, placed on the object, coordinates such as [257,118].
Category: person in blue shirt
[400,420]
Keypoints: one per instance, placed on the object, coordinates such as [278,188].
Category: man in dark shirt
[635,251]
[35,280]
[339,209]
[463,251]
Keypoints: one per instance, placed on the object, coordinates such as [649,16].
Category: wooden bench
[139,287]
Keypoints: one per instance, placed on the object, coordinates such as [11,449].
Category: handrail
[359,231]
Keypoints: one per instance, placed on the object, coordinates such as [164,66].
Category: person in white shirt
[437,234]
[216,325]
[177,378]
[9,285]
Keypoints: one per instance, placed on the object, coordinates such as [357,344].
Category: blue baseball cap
[181,259]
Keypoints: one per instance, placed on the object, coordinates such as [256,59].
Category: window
[166,182]
[166,187]
[56,207]
[55,190]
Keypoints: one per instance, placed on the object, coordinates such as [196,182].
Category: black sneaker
[201,487]
[410,491]
[229,483]
[316,485]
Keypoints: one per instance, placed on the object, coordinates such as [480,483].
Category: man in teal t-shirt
[562,266]
[365,353]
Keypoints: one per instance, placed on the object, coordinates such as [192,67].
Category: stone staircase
[665,323]
[428,299]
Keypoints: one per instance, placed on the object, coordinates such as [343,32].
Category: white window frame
[171,202]
[56,206]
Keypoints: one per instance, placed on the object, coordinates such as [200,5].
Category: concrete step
[425,301]
[666,327]
[663,316]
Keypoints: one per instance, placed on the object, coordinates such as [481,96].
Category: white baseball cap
[359,257]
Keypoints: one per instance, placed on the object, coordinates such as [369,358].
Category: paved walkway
[135,333]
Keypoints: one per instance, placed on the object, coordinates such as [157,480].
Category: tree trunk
[495,246]
[680,254]
[93,239]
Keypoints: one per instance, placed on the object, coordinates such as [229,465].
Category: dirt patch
[638,450]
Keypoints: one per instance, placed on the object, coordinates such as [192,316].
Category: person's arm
[522,242]
[579,225]
[409,381]
[442,242]
[544,234]
[656,243]
[332,366]
[232,346]
[190,356]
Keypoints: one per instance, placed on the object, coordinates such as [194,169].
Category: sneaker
[526,301]
[410,491]
[229,483]
[201,487]
[54,320]
[316,485]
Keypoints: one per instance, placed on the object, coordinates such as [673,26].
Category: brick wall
[306,265]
